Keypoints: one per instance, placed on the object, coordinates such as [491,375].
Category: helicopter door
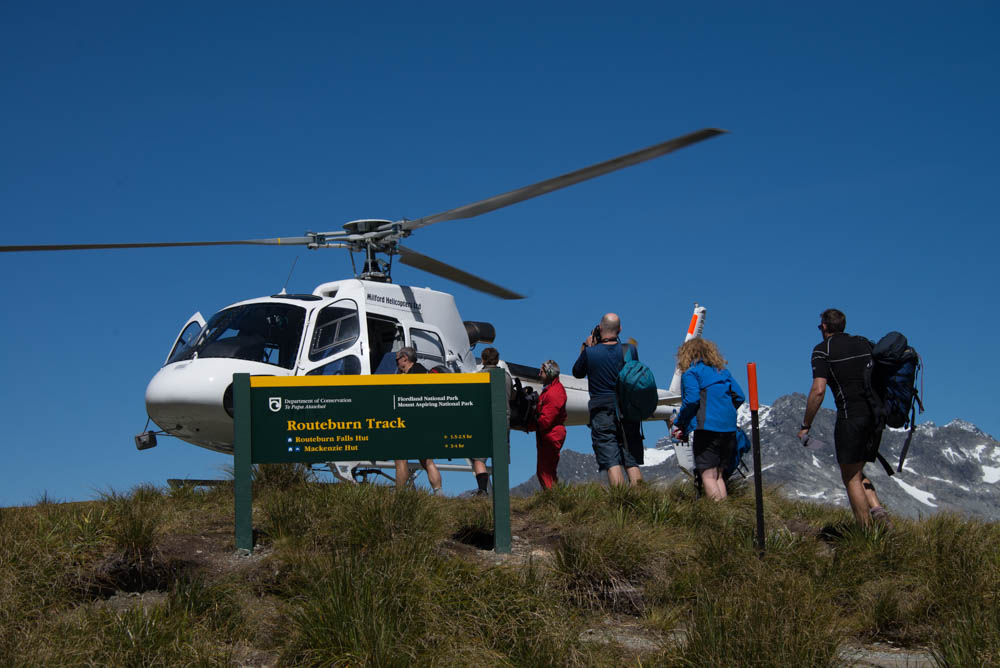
[187,337]
[430,349]
[335,345]
[385,337]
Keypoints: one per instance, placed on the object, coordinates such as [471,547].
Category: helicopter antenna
[289,276]
[354,267]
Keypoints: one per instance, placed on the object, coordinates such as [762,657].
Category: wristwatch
[805,426]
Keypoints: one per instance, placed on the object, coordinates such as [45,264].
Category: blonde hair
[699,350]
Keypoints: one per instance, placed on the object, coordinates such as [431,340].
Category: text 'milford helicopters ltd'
[351,326]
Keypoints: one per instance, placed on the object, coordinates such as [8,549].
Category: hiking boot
[881,517]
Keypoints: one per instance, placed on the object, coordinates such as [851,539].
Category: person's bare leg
[433,475]
[875,509]
[634,475]
[402,473]
[715,486]
[873,500]
[616,476]
[851,475]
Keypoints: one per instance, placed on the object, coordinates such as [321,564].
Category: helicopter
[351,326]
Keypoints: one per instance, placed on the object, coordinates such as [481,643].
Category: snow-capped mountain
[955,467]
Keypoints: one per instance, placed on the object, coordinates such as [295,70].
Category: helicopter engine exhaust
[479,332]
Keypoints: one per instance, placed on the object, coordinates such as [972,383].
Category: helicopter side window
[429,347]
[182,349]
[337,328]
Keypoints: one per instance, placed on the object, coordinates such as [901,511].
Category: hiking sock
[880,515]
[483,480]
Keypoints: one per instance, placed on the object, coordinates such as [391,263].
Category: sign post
[758,484]
[319,419]
[501,462]
[242,464]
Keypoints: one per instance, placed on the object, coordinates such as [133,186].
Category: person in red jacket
[550,432]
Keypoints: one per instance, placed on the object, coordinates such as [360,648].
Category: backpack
[894,382]
[523,407]
[736,464]
[636,388]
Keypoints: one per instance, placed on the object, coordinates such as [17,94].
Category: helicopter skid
[346,471]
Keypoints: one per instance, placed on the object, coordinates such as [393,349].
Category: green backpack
[636,388]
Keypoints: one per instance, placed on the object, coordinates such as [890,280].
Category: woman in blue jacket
[710,398]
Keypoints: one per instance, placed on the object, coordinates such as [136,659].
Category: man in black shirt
[841,362]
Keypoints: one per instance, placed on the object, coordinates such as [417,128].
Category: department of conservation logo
[274,403]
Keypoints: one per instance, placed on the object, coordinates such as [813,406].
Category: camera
[596,334]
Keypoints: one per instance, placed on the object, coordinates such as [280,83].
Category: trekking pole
[758,485]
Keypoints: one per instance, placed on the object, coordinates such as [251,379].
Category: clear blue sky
[861,173]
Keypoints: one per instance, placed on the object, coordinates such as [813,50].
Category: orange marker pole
[758,484]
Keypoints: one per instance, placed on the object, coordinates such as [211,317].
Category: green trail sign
[318,419]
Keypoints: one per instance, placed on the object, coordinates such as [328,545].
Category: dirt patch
[210,553]
[530,541]
[245,656]
[541,536]
[115,574]
[210,550]
[626,633]
[123,601]
[479,538]
[885,656]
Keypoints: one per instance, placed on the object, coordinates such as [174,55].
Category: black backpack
[894,382]
[523,407]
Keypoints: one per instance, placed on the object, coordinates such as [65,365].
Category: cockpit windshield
[268,333]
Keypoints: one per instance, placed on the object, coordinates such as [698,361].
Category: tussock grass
[773,619]
[365,575]
[280,476]
[134,522]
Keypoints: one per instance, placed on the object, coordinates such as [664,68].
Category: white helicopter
[351,326]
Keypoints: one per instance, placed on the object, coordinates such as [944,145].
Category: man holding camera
[617,442]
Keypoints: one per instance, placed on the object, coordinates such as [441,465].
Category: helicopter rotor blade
[420,261]
[277,241]
[571,178]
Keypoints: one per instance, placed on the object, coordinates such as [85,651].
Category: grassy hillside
[362,575]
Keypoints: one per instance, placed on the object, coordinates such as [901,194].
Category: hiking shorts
[712,449]
[611,446]
[853,439]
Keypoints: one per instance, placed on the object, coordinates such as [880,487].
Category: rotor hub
[365,225]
